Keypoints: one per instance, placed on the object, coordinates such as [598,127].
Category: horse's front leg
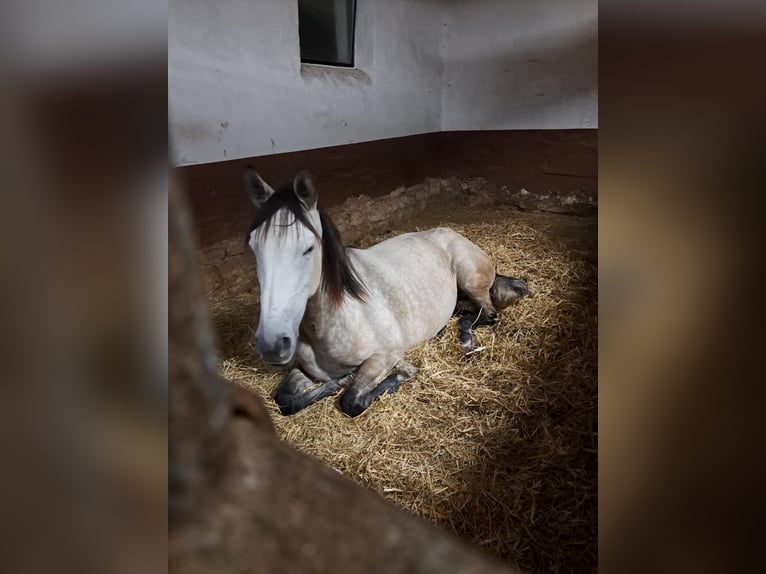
[381,373]
[297,391]
[466,325]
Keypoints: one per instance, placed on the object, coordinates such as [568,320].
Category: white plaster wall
[237,87]
[520,64]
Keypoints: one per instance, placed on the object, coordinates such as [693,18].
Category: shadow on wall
[537,73]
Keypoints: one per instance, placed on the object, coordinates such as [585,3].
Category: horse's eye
[309,250]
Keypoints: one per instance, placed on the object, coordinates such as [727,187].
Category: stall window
[326,31]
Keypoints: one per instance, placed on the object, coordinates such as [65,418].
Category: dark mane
[339,278]
[338,274]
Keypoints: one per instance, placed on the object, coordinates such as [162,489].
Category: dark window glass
[326,30]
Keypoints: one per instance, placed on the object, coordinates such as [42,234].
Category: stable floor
[499,447]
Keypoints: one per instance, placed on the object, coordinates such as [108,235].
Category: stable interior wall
[237,87]
[520,65]
[505,90]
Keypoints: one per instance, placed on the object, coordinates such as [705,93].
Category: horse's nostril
[275,350]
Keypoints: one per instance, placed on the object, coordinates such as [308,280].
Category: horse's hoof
[286,402]
[406,370]
[506,290]
[520,287]
[288,409]
[352,405]
[468,342]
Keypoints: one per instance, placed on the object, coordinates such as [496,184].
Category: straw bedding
[498,447]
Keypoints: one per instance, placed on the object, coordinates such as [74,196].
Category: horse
[334,313]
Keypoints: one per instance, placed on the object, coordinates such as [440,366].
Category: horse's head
[286,238]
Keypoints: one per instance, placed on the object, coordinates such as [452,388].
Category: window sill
[334,73]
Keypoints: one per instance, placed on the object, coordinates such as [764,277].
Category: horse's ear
[257,190]
[304,189]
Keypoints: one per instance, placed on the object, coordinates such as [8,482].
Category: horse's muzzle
[276,352]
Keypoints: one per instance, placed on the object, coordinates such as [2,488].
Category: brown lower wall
[538,160]
[560,161]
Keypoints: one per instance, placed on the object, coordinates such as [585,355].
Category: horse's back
[412,284]
[443,245]
[440,260]
[414,259]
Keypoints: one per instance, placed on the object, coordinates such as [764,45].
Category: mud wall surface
[556,162]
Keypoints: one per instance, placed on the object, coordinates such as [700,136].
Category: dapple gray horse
[329,311]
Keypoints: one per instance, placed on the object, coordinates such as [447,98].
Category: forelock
[282,212]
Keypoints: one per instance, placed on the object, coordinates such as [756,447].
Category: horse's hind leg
[506,290]
[487,291]
[381,373]
[474,272]
[297,391]
[476,277]
[503,292]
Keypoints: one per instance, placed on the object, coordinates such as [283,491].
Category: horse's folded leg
[403,372]
[299,402]
[297,391]
[371,373]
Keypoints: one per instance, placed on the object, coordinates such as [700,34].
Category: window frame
[334,64]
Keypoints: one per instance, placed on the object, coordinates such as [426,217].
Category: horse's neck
[319,308]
